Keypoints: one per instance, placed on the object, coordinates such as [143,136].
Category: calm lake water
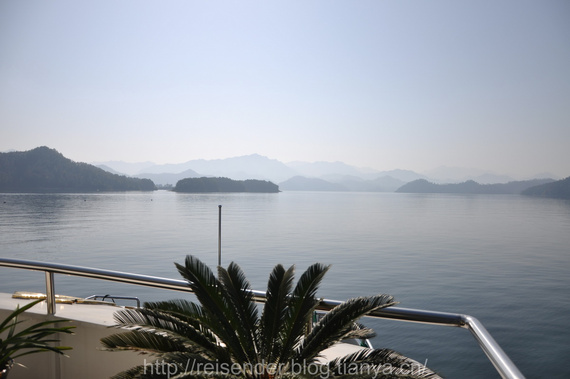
[504,259]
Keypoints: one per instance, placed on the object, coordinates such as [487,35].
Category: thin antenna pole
[219,235]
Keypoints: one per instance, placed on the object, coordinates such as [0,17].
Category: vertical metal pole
[219,235]
[50,293]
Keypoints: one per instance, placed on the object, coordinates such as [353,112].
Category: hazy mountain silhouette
[322,169]
[239,168]
[382,184]
[445,174]
[159,179]
[109,169]
[345,183]
[402,175]
[352,178]
[167,178]
[542,175]
[260,167]
[301,183]
[125,168]
[319,176]
[45,170]
[559,189]
[470,187]
[490,178]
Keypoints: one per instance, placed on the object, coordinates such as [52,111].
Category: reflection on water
[495,257]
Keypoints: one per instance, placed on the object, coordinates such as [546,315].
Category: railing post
[50,293]
[219,235]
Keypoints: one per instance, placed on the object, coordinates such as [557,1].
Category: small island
[206,185]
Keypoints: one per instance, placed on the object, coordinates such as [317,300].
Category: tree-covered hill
[470,186]
[46,170]
[202,185]
[559,189]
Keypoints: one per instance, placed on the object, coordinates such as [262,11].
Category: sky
[380,84]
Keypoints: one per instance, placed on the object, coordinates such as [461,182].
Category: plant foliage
[226,335]
[16,340]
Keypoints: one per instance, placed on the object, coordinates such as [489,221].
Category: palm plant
[33,339]
[226,336]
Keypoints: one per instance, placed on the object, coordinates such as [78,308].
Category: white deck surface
[96,314]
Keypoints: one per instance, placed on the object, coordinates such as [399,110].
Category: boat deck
[95,319]
[86,360]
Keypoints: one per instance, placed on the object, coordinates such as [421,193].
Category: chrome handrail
[503,364]
[114,297]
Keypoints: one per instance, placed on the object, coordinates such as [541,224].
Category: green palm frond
[238,293]
[217,375]
[380,363]
[210,293]
[226,328]
[301,306]
[279,288]
[173,365]
[137,372]
[339,324]
[181,308]
[188,312]
[151,370]
[158,322]
[203,283]
[143,341]
[361,334]
[310,281]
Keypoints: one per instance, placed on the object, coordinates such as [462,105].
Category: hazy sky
[382,84]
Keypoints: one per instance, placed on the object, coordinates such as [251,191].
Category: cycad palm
[225,336]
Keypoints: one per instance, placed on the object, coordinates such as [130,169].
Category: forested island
[203,185]
[46,170]
[471,187]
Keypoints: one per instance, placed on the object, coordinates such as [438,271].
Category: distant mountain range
[347,183]
[296,176]
[238,168]
[559,189]
[471,187]
[46,170]
[301,183]
[302,176]
[446,174]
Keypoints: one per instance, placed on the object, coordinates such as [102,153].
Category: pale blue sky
[381,84]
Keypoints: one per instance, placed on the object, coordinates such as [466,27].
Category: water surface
[501,258]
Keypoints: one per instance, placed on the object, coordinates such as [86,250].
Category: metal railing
[503,364]
[113,298]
